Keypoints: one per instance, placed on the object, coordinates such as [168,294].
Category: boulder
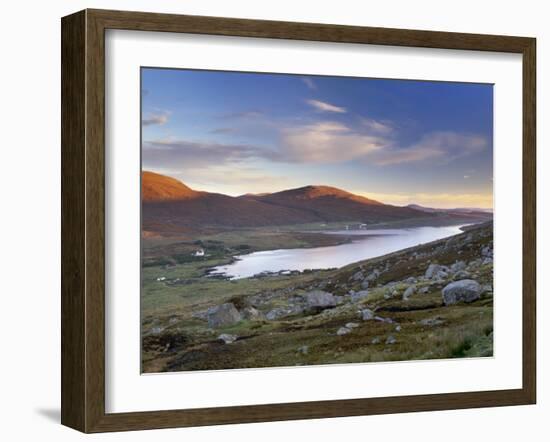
[358,276]
[375,341]
[251,314]
[284,311]
[391,340]
[466,290]
[352,325]
[367,314]
[227,339]
[431,271]
[365,284]
[411,290]
[359,296]
[458,266]
[318,299]
[373,275]
[223,315]
[343,331]
[431,322]
[304,349]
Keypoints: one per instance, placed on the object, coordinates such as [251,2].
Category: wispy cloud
[222,130]
[185,154]
[322,142]
[326,142]
[435,146]
[323,106]
[244,114]
[378,126]
[158,118]
[309,83]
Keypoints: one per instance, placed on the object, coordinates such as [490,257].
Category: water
[369,244]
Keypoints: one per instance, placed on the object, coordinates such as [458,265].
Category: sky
[396,141]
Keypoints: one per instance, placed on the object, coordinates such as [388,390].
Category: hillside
[400,306]
[169,206]
[157,188]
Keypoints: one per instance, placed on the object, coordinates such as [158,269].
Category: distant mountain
[457,210]
[170,206]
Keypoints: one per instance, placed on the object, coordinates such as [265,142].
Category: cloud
[441,147]
[323,106]
[185,154]
[326,142]
[309,83]
[377,126]
[158,118]
[243,114]
[222,130]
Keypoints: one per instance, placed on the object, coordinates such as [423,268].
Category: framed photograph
[267,221]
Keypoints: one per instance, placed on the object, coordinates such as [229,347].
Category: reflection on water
[370,244]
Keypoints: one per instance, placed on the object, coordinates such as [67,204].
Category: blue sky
[397,141]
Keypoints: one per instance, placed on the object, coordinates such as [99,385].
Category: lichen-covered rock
[411,290]
[367,314]
[223,315]
[359,296]
[465,290]
[227,339]
[283,311]
[318,299]
[343,331]
[251,314]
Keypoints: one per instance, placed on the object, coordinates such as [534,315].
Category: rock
[251,314]
[410,280]
[386,320]
[398,328]
[173,321]
[466,290]
[343,331]
[358,276]
[157,330]
[373,275]
[424,290]
[281,312]
[458,266]
[430,322]
[487,260]
[352,325]
[339,299]
[409,292]
[318,299]
[391,340]
[461,274]
[375,341]
[487,251]
[227,339]
[365,284]
[359,296]
[431,271]
[304,349]
[367,314]
[223,315]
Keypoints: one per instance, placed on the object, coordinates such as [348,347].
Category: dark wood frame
[83,220]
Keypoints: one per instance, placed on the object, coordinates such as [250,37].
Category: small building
[199,252]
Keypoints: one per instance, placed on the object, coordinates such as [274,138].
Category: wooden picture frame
[83,220]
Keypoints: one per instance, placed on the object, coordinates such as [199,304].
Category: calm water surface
[369,244]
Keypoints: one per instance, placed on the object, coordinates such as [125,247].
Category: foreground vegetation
[385,309]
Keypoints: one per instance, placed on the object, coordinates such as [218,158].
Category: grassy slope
[186,343]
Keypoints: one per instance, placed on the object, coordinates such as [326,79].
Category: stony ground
[428,302]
